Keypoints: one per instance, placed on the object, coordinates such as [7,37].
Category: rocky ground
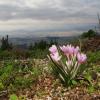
[92,44]
[49,88]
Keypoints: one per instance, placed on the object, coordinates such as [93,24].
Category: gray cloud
[58,12]
[64,10]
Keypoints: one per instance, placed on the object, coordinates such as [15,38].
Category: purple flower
[69,50]
[64,49]
[76,50]
[81,58]
[55,56]
[53,49]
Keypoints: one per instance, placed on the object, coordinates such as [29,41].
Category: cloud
[47,14]
[47,9]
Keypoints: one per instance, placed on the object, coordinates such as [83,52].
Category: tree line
[6,45]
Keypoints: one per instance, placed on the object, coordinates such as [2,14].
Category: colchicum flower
[53,49]
[64,49]
[54,53]
[69,50]
[76,50]
[81,58]
[55,57]
[74,58]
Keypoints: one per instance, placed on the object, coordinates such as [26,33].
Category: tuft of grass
[14,76]
[94,57]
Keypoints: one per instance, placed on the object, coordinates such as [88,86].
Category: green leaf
[91,89]
[1,86]
[74,82]
[88,77]
[13,97]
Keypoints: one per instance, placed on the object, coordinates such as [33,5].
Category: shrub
[89,34]
[5,45]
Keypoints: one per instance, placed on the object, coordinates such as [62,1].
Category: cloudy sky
[47,17]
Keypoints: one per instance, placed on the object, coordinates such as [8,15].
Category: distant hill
[24,42]
[28,40]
